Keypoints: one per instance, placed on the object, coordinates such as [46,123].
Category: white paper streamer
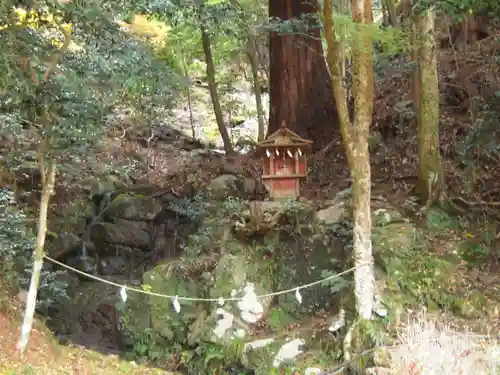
[298,296]
[177,305]
[123,294]
[221,301]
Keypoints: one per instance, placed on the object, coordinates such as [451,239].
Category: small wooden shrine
[284,162]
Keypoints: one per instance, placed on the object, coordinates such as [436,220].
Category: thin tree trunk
[48,182]
[188,93]
[431,179]
[411,28]
[415,72]
[212,85]
[300,87]
[252,58]
[355,135]
[391,9]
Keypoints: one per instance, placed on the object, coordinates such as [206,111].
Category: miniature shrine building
[284,162]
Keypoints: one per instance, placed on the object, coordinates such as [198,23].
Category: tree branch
[57,56]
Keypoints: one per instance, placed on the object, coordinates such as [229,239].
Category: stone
[382,216]
[112,265]
[99,317]
[223,186]
[334,214]
[288,351]
[142,225]
[171,278]
[219,324]
[232,273]
[122,234]
[228,185]
[134,208]
[64,244]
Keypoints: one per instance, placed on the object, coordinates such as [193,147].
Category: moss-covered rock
[204,279]
[138,208]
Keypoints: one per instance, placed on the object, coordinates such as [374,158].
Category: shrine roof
[284,137]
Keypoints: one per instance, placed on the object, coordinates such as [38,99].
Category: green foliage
[16,248]
[474,253]
[212,236]
[146,346]
[213,358]
[484,134]
[439,221]
[336,284]
[60,95]
[203,357]
[193,209]
[457,10]
[278,319]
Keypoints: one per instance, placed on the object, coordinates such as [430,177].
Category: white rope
[180,298]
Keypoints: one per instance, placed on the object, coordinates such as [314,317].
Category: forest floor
[45,356]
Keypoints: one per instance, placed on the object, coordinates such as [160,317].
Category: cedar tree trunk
[300,86]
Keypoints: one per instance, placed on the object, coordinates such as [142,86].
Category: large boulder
[63,245]
[229,185]
[125,233]
[137,208]
[203,279]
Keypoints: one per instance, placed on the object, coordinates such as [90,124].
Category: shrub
[16,248]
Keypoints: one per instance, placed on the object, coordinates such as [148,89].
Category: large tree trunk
[430,177]
[214,95]
[300,86]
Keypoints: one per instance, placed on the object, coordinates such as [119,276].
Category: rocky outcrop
[231,246]
[273,246]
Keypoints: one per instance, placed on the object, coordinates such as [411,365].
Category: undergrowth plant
[16,248]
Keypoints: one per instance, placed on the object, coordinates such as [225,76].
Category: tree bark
[253,59]
[430,179]
[212,86]
[415,72]
[48,182]
[300,86]
[188,93]
[355,135]
[391,10]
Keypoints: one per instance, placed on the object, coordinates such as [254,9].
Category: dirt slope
[45,356]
